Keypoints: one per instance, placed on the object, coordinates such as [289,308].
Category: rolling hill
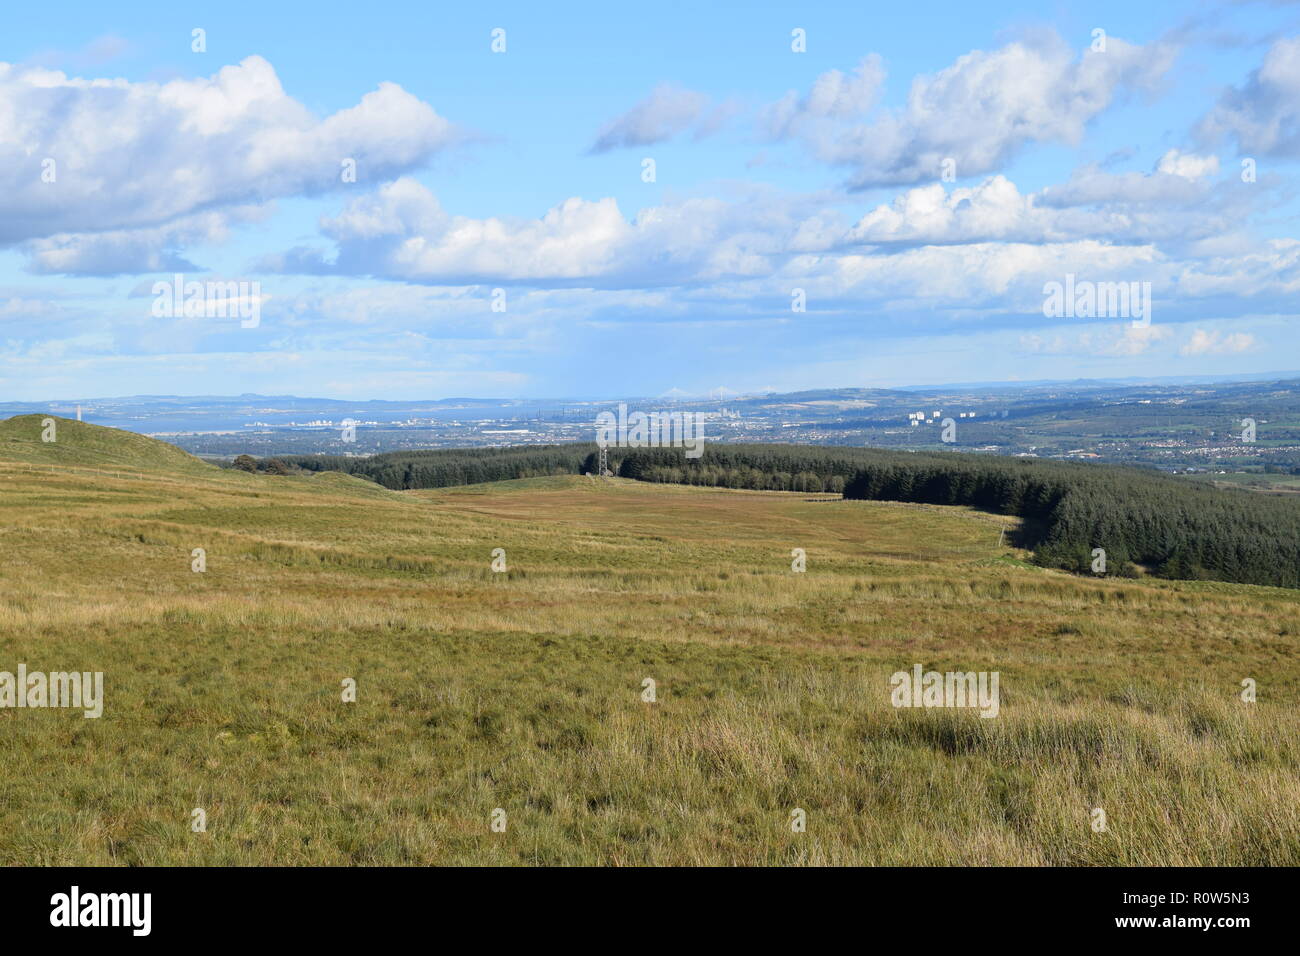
[82,444]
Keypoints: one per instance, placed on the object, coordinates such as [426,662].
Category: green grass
[1253,480]
[23,438]
[522,690]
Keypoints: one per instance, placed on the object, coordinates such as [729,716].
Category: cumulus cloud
[994,209]
[983,251]
[401,231]
[834,96]
[666,112]
[1092,185]
[1272,268]
[1187,165]
[1134,340]
[1263,116]
[126,251]
[1173,201]
[1205,342]
[978,112]
[975,277]
[103,156]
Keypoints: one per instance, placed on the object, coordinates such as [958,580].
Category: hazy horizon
[1135,381]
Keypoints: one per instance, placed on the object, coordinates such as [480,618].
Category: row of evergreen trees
[763,467]
[741,477]
[1171,527]
[439,468]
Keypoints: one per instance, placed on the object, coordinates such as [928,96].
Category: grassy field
[522,690]
[1255,481]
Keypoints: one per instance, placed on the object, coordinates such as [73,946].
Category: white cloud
[1091,185]
[140,156]
[126,251]
[402,232]
[994,209]
[1187,165]
[834,96]
[666,112]
[977,253]
[1134,340]
[978,112]
[986,247]
[1123,341]
[1093,205]
[1217,343]
[1264,115]
[990,233]
[975,277]
[1270,268]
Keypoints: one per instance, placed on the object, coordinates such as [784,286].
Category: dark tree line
[1173,528]
[439,468]
[759,467]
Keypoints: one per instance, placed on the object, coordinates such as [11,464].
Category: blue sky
[916,175]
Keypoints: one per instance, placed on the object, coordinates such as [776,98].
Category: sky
[518,200]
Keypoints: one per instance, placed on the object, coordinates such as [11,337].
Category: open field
[522,690]
[1255,481]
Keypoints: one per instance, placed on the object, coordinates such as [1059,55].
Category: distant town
[1227,427]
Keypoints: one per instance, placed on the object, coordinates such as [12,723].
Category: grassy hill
[522,690]
[83,444]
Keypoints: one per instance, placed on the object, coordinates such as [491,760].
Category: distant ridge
[295,401]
